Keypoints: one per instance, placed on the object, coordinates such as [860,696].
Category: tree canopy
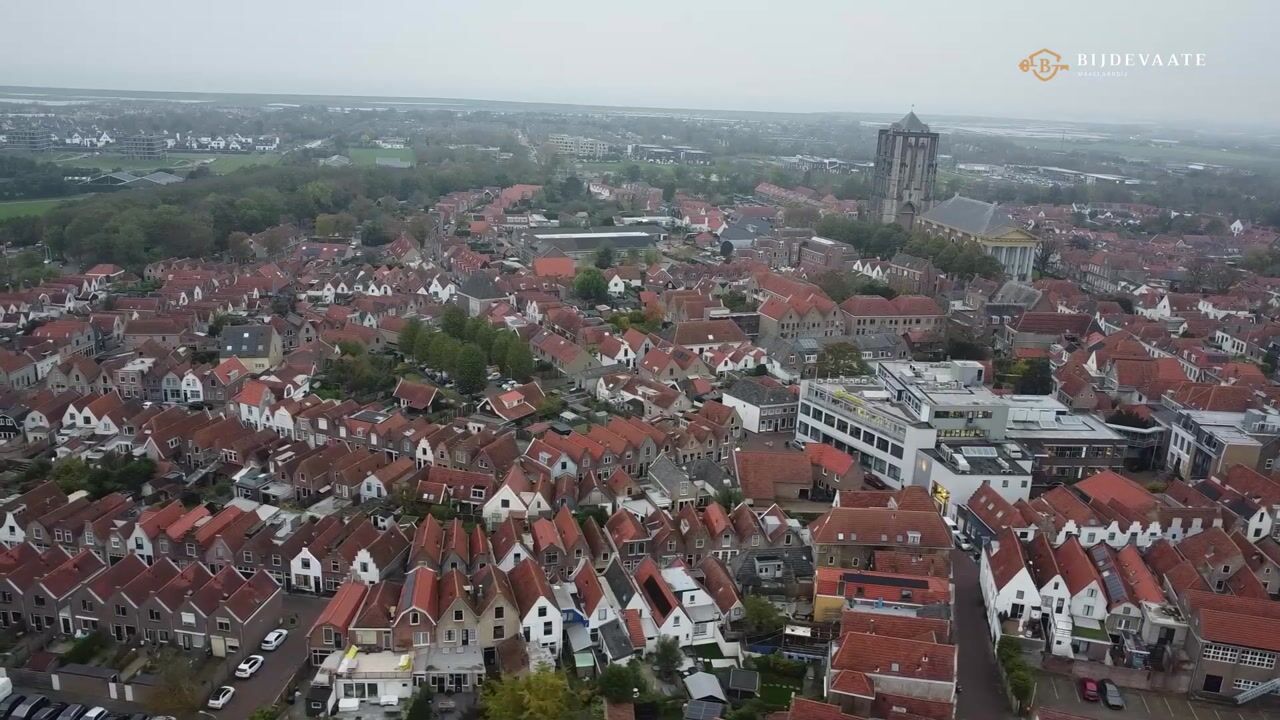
[541,695]
[590,285]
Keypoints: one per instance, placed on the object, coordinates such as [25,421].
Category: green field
[175,161]
[18,208]
[369,156]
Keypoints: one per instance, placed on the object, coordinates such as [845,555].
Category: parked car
[95,713]
[250,666]
[50,712]
[1111,696]
[73,712]
[274,639]
[221,697]
[26,709]
[1089,689]
[9,703]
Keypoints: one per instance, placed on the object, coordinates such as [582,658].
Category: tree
[726,249]
[519,360]
[269,712]
[551,406]
[604,256]
[420,706]
[618,683]
[1035,378]
[409,336]
[1047,255]
[541,695]
[667,657]
[181,692]
[470,373]
[963,347]
[498,349]
[590,285]
[238,246]
[760,614]
[841,359]
[1129,419]
[837,285]
[729,497]
[335,225]
[802,216]
[453,321]
[737,301]
[421,346]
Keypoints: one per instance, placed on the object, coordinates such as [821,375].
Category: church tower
[906,167]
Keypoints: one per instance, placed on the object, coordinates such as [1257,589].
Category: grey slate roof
[617,641]
[704,686]
[971,216]
[245,340]
[710,472]
[750,391]
[910,123]
[881,342]
[620,583]
[666,473]
[479,286]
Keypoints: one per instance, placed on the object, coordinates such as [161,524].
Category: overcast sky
[946,57]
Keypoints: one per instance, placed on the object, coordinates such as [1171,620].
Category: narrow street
[982,698]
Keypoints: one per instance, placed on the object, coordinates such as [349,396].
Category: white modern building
[886,420]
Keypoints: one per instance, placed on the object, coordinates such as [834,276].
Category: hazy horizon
[820,56]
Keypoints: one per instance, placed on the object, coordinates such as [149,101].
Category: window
[275,561]
[247,555]
[1258,659]
[86,605]
[191,549]
[499,612]
[542,611]
[1220,653]
[457,616]
[121,611]
[153,615]
[1088,609]
[415,618]
[188,619]
[499,632]
[224,625]
[448,636]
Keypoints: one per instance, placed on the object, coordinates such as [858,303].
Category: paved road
[259,690]
[982,698]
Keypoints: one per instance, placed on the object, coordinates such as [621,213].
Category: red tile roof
[884,655]
[342,607]
[1108,485]
[880,526]
[760,471]
[899,626]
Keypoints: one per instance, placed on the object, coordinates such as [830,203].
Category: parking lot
[1061,693]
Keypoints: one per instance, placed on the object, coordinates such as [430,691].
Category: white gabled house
[1008,590]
